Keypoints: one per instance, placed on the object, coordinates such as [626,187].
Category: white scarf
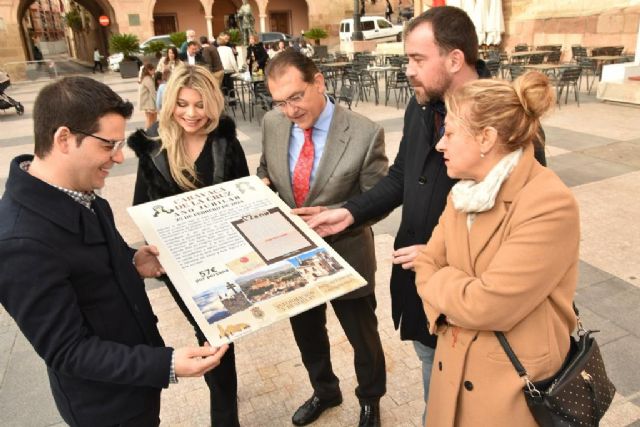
[474,197]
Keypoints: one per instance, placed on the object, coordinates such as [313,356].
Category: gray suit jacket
[353,161]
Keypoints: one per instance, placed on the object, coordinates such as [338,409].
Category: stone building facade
[530,21]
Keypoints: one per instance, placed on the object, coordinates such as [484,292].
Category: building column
[263,22]
[209,19]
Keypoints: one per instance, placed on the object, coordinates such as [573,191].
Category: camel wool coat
[515,271]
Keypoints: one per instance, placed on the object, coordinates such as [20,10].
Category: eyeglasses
[294,100]
[115,145]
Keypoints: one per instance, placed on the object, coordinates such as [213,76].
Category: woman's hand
[406,256]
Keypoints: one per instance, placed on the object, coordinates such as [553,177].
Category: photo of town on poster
[239,259]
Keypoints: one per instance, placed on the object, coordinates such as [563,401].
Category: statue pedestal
[242,55]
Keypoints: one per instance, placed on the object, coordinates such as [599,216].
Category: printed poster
[239,259]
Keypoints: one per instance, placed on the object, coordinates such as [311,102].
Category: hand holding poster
[239,259]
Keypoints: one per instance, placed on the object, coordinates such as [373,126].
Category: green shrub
[127,44]
[178,38]
[316,34]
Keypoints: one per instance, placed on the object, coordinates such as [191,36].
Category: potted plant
[178,38]
[154,49]
[128,45]
[234,36]
[316,34]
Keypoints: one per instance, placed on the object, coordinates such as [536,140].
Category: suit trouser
[221,380]
[358,320]
[148,418]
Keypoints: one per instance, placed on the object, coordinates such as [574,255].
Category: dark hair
[75,102]
[193,42]
[176,56]
[157,78]
[452,29]
[291,58]
[204,40]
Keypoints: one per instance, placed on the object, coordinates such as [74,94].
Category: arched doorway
[170,16]
[58,29]
[287,16]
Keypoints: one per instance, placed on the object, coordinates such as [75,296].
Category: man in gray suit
[317,153]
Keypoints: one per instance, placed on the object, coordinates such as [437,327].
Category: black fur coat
[154,179]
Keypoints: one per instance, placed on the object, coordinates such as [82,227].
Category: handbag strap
[522,372]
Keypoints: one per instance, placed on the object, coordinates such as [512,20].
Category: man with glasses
[67,277]
[318,153]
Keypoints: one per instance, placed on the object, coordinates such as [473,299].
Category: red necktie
[302,171]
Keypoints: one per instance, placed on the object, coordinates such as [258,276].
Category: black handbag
[578,394]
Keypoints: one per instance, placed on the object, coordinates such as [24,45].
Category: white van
[373,27]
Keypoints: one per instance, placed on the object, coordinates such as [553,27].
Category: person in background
[210,55]
[147,94]
[169,61]
[230,65]
[191,37]
[256,54]
[315,152]
[67,277]
[161,88]
[503,257]
[192,56]
[192,146]
[388,11]
[306,49]
[97,60]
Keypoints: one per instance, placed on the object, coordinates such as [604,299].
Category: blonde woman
[147,94]
[504,257]
[192,146]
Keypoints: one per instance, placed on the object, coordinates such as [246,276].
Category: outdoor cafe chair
[536,59]
[554,57]
[399,84]
[494,67]
[346,95]
[521,47]
[568,79]
[515,71]
[588,67]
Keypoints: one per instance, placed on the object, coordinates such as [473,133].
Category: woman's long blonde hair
[513,109]
[171,133]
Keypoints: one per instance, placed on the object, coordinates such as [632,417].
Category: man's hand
[196,361]
[266,181]
[146,262]
[308,212]
[331,221]
[406,256]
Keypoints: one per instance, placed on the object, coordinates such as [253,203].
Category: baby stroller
[6,101]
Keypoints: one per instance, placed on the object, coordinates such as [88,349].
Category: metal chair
[515,71]
[494,67]
[588,67]
[554,57]
[399,84]
[568,79]
[346,94]
[521,47]
[260,98]
[536,59]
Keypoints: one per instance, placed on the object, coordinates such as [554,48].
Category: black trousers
[97,64]
[358,320]
[222,380]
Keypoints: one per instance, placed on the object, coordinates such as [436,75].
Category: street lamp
[357,34]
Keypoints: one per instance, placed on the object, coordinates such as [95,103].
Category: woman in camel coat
[504,257]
